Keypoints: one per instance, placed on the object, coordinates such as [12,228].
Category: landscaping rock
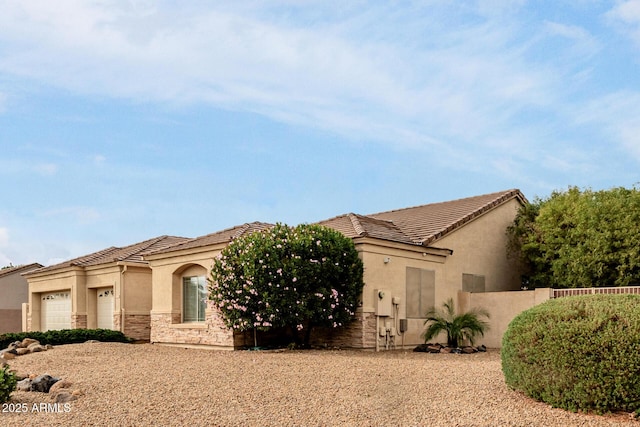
[27,342]
[7,354]
[482,348]
[24,385]
[43,383]
[445,350]
[469,350]
[35,348]
[20,351]
[65,396]
[421,348]
[60,386]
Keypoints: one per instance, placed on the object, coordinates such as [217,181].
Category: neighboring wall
[14,291]
[502,307]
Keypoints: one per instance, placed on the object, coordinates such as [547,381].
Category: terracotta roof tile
[20,269]
[216,238]
[131,253]
[427,223]
[353,225]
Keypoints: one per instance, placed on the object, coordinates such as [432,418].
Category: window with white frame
[194,298]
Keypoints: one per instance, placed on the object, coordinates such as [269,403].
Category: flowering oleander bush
[296,277]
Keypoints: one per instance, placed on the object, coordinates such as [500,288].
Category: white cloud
[80,214]
[368,71]
[626,16]
[4,237]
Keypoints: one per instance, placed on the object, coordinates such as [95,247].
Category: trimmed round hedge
[577,353]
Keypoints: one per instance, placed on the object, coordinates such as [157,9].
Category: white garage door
[55,311]
[105,308]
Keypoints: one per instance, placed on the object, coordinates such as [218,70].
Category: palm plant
[459,327]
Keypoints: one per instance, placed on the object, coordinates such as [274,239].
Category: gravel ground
[150,385]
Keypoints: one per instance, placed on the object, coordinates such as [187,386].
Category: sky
[125,120]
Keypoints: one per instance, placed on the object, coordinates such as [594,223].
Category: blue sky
[125,120]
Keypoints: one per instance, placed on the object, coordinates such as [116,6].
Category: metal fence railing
[558,293]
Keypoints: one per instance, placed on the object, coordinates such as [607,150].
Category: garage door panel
[55,311]
[105,308]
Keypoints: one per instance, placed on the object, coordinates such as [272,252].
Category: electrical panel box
[383,302]
[404,325]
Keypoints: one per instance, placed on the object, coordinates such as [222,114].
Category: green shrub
[7,383]
[577,353]
[65,336]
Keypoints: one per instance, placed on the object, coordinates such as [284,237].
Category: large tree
[580,238]
[288,277]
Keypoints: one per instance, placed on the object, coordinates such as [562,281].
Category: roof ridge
[445,202]
[357,226]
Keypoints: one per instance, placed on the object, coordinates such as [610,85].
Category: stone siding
[78,321]
[137,326]
[167,329]
[359,334]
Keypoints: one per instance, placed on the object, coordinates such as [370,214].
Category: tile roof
[420,225]
[353,225]
[19,269]
[216,238]
[131,253]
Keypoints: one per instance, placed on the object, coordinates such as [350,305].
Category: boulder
[43,383]
[24,385]
[27,342]
[21,350]
[7,354]
[434,348]
[482,348]
[64,396]
[469,350]
[445,350]
[36,347]
[421,348]
[60,386]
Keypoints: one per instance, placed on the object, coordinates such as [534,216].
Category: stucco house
[414,258]
[180,314]
[108,289]
[14,291]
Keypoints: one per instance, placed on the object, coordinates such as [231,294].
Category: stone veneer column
[79,321]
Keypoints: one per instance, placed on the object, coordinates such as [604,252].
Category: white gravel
[150,385]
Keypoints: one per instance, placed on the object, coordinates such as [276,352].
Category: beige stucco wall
[391,277]
[502,308]
[14,291]
[479,247]
[131,284]
[71,279]
[167,326]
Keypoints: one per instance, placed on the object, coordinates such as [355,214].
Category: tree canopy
[296,277]
[580,238]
